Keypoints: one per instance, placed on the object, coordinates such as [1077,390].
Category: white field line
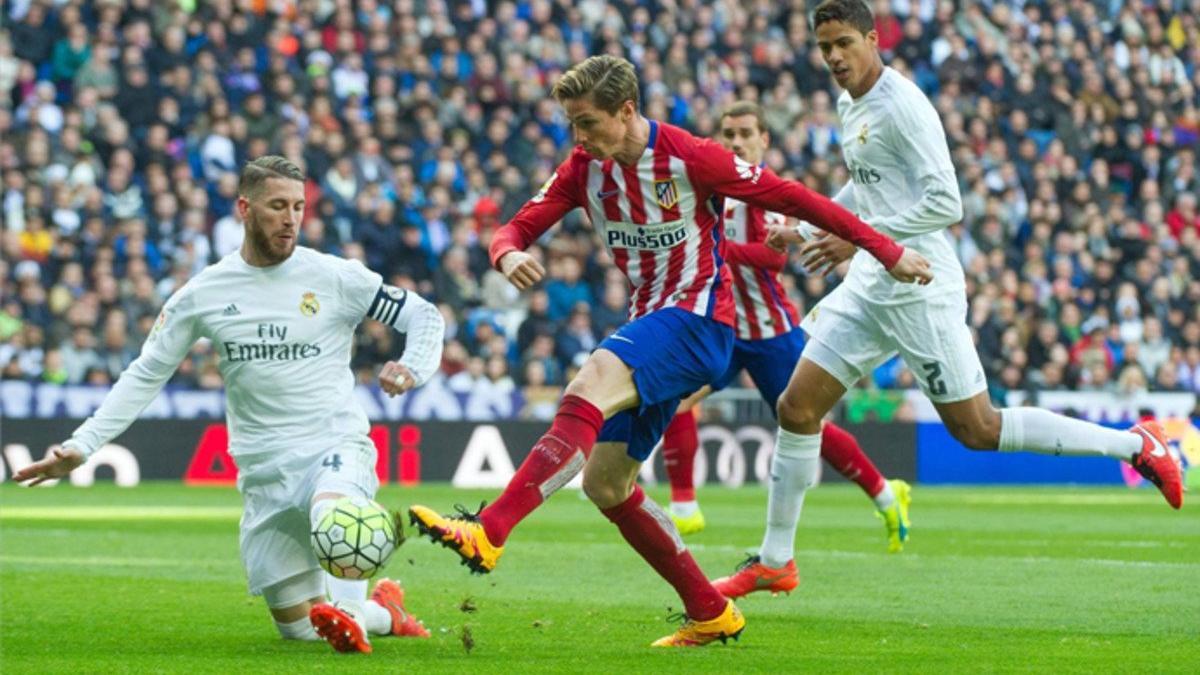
[1067,499]
[98,561]
[94,513]
[1029,560]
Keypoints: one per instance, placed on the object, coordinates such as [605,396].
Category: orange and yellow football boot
[462,533]
[729,624]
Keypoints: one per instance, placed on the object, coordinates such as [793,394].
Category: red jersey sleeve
[754,252]
[754,255]
[719,170]
[561,193]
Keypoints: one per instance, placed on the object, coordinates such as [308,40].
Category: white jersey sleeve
[422,324]
[365,295]
[358,288]
[173,334]
[918,137]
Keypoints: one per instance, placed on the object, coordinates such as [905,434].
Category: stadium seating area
[423,125]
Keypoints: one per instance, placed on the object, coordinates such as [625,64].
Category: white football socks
[793,470]
[319,509]
[885,498]
[684,509]
[1042,431]
[300,629]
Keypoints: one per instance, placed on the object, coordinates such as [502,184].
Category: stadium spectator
[1074,129]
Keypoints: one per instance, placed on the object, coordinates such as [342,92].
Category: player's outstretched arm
[558,196]
[425,329]
[726,174]
[822,251]
[59,462]
[168,343]
[754,254]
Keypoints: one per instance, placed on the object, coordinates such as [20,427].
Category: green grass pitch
[106,580]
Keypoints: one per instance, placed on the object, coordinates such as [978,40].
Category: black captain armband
[388,302]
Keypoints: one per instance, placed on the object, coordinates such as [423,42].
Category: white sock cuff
[319,509]
[1012,431]
[300,629]
[345,590]
[797,446]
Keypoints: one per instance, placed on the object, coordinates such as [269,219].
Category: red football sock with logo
[553,462]
[649,531]
[840,449]
[680,442]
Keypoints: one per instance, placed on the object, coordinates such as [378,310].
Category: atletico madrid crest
[667,193]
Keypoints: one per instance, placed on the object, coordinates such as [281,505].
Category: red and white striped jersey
[660,217]
[763,308]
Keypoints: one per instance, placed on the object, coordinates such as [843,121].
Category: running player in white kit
[282,319]
[903,184]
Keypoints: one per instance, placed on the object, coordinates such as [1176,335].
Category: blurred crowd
[424,124]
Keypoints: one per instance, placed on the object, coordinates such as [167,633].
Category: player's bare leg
[609,481]
[811,393]
[603,386]
[293,622]
[979,426]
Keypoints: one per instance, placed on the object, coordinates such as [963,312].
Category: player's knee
[796,415]
[578,386]
[978,434]
[603,491]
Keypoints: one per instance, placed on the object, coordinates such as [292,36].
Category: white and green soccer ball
[355,538]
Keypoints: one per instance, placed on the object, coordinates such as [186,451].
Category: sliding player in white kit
[282,319]
[903,184]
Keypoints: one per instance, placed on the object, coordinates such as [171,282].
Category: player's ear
[242,205]
[872,37]
[628,110]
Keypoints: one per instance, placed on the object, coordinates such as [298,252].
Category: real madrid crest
[862,134]
[309,306]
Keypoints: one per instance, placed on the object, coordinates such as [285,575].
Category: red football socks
[680,442]
[649,531]
[841,450]
[553,462]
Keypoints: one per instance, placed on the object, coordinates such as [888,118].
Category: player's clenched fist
[59,461]
[780,236]
[521,269]
[911,267]
[396,379]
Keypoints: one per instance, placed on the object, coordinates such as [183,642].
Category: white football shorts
[849,337]
[277,493]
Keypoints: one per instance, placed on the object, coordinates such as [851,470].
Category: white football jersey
[903,185]
[283,335]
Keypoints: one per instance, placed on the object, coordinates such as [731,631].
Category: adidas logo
[231,310]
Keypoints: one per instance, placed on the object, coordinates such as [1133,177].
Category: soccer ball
[355,538]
